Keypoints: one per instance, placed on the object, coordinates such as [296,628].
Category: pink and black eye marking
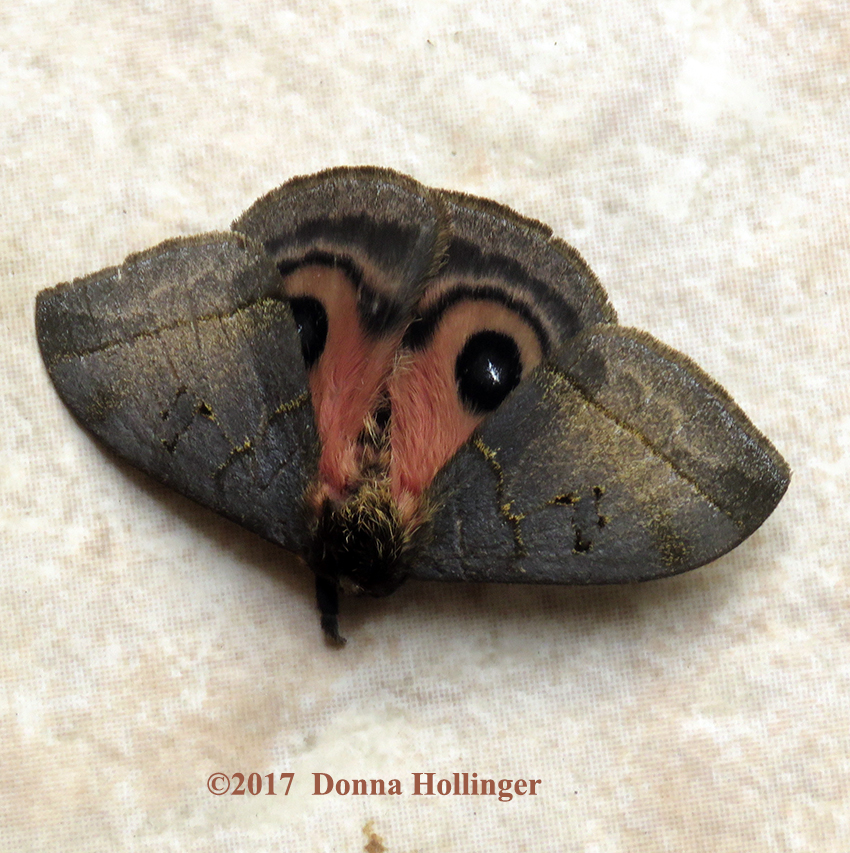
[393,381]
[488,364]
[378,314]
[423,326]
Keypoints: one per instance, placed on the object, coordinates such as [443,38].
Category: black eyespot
[487,370]
[311,320]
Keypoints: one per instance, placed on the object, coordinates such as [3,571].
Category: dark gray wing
[185,360]
[387,231]
[619,460]
[495,253]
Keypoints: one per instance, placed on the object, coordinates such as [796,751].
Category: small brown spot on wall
[375,844]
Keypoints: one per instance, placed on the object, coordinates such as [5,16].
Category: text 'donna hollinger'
[425,784]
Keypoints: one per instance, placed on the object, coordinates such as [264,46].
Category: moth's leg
[327,598]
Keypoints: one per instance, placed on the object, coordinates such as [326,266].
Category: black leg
[327,597]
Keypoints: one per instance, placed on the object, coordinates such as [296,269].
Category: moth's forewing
[619,460]
[185,361]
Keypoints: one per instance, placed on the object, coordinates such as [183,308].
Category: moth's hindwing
[185,360]
[385,230]
[618,460]
[507,295]
[492,246]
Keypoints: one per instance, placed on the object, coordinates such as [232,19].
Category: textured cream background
[698,154]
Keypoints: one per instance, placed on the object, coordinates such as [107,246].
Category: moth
[398,382]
